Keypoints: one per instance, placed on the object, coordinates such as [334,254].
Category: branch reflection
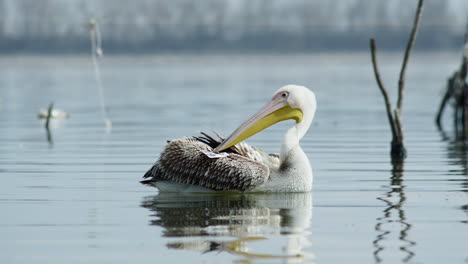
[394,216]
[457,152]
[239,224]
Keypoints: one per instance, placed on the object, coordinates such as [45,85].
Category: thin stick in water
[388,105]
[409,47]
[398,150]
[96,53]
[49,116]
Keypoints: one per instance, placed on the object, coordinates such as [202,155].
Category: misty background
[58,26]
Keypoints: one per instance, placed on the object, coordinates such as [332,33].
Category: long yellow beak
[272,113]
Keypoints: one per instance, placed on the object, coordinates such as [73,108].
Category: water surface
[78,198]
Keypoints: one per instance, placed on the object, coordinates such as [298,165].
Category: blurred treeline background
[59,26]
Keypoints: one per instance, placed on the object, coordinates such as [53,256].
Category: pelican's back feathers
[184,161]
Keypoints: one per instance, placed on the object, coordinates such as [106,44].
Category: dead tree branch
[47,122]
[388,105]
[398,150]
[409,47]
[457,91]
[443,103]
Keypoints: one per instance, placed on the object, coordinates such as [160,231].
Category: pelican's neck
[290,141]
[295,133]
[294,173]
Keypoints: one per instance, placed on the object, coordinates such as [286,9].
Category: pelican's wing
[184,161]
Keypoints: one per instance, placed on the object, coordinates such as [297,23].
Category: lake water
[78,199]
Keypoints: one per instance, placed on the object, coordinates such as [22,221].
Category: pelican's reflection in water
[394,217]
[250,225]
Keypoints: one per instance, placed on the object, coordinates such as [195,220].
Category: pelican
[203,163]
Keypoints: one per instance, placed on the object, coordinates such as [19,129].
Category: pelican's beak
[275,111]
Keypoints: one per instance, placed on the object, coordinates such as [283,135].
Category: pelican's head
[288,102]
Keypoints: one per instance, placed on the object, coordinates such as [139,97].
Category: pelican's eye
[284,95]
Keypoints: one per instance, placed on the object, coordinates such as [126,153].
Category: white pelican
[204,163]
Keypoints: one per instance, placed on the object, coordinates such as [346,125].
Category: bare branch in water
[388,105]
[49,116]
[398,150]
[456,91]
[96,53]
[409,47]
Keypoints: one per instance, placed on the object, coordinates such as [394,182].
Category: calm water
[78,200]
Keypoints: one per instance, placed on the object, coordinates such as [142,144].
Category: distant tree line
[225,25]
